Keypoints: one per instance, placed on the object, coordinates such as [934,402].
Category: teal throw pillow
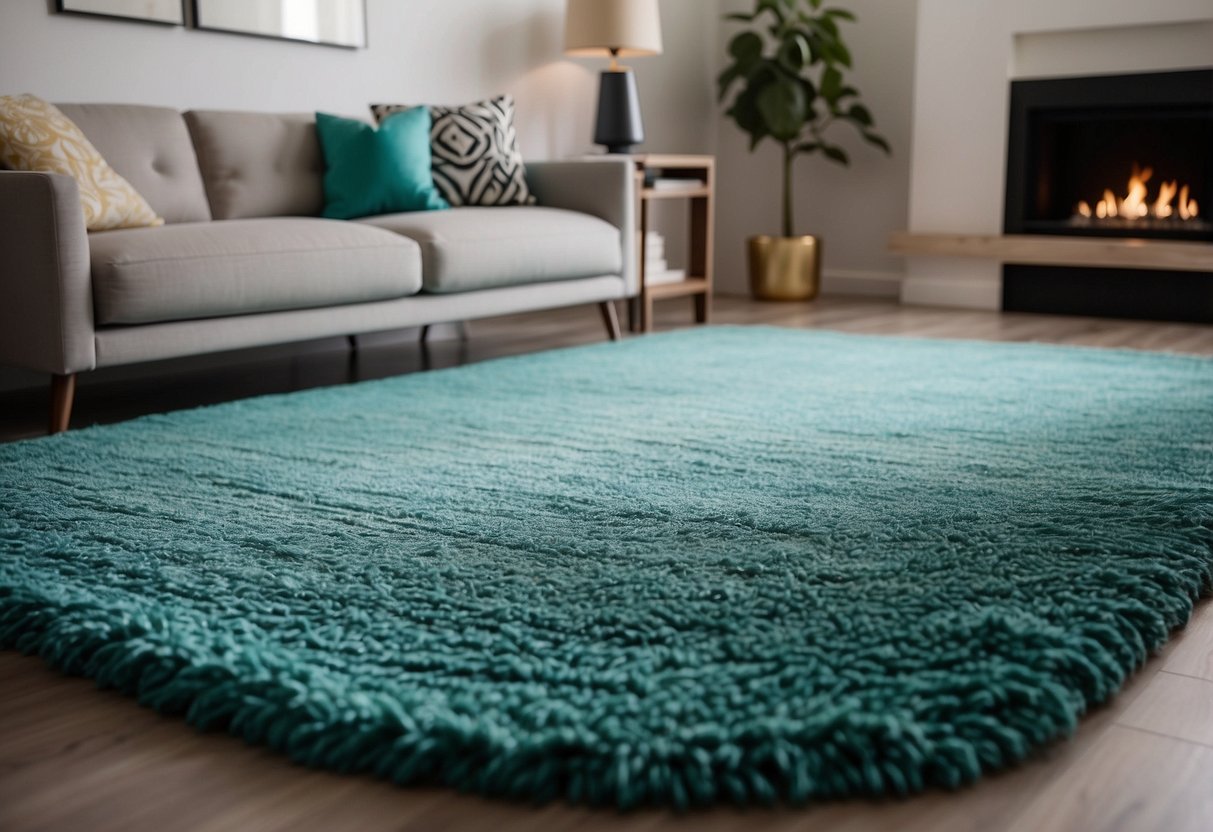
[385,171]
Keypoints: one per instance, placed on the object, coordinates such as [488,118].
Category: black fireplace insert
[1111,156]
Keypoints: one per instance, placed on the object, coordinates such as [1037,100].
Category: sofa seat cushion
[216,269]
[465,249]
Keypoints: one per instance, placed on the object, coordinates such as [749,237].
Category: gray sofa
[244,260]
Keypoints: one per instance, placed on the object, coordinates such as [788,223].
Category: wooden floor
[119,394]
[75,758]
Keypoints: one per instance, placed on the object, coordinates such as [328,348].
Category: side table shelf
[698,283]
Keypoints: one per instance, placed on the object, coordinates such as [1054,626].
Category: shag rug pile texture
[720,566]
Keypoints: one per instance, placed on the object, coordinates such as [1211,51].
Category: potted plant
[788,70]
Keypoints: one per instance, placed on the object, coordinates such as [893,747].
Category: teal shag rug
[721,566]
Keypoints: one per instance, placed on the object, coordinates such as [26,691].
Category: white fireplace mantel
[968,52]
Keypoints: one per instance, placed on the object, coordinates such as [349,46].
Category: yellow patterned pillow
[35,136]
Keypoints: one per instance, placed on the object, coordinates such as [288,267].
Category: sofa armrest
[46,304]
[605,188]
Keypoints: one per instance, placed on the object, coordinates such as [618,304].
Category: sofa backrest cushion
[149,147]
[259,164]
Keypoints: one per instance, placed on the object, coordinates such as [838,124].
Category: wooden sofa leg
[63,393]
[610,317]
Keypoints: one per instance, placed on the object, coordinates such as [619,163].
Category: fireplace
[1111,156]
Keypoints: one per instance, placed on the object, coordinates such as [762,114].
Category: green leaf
[878,141]
[831,84]
[727,78]
[782,107]
[810,91]
[746,49]
[836,154]
[745,109]
[860,115]
[816,49]
[828,26]
[745,113]
[842,54]
[794,53]
[740,18]
[808,147]
[776,7]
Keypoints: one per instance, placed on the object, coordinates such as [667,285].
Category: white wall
[968,50]
[852,209]
[432,51]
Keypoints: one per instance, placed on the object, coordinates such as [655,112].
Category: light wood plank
[674,161]
[1176,706]
[1193,654]
[676,193]
[690,286]
[1130,781]
[1109,252]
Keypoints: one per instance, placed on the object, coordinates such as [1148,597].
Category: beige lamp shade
[627,28]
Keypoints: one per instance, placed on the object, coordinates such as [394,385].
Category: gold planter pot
[785,268]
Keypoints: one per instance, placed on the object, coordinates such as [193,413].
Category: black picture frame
[197,20]
[63,7]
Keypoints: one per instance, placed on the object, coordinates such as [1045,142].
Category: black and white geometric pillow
[476,157]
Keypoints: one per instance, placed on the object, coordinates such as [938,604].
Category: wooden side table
[698,283]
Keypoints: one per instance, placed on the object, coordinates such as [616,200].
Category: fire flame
[1136,203]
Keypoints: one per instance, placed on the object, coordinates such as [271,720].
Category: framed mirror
[327,22]
[167,12]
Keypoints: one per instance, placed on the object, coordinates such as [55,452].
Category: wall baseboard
[865,283]
[949,292]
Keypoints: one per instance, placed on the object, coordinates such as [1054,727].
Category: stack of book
[657,269]
[667,185]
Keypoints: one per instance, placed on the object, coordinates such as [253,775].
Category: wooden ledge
[1107,252]
[690,286]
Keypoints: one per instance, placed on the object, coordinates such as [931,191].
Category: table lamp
[620,29]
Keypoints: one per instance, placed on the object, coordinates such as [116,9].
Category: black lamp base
[619,127]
